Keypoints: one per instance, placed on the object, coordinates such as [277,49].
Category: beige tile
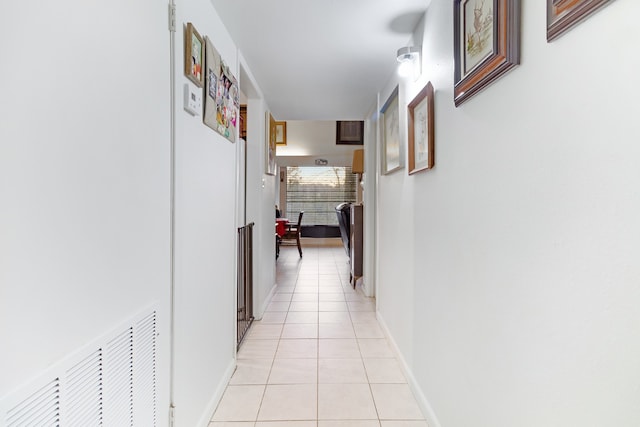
[361,306]
[285,424]
[330,348]
[404,424]
[294,371]
[239,403]
[355,296]
[336,330]
[278,306]
[368,330]
[300,330]
[285,289]
[251,371]
[230,424]
[363,316]
[290,402]
[331,289]
[259,331]
[345,402]
[331,297]
[303,306]
[306,290]
[334,317]
[341,371]
[298,349]
[302,317]
[395,402]
[305,297]
[282,297]
[375,348]
[273,317]
[350,423]
[258,349]
[385,371]
[332,306]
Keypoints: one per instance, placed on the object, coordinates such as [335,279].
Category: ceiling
[320,59]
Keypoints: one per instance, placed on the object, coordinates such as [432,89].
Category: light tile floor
[318,357]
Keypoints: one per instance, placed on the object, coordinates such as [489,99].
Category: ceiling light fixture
[408,53]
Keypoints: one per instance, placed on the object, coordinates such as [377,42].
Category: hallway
[318,358]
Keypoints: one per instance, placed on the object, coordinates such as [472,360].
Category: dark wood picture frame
[486,43]
[350,132]
[193,55]
[563,15]
[421,133]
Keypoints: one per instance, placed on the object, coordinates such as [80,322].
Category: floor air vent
[109,383]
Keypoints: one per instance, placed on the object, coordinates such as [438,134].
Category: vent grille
[119,380]
[144,362]
[111,382]
[84,392]
[42,408]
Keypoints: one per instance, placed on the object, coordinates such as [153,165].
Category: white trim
[205,419]
[422,400]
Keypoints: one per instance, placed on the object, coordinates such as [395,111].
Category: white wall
[205,239]
[261,190]
[308,140]
[84,178]
[510,274]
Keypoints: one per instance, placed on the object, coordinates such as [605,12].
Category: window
[317,191]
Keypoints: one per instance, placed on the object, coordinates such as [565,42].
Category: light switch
[192,99]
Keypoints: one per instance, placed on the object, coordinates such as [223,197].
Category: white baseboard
[217,396]
[424,404]
[267,301]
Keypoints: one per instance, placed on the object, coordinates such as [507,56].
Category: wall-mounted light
[408,53]
[410,61]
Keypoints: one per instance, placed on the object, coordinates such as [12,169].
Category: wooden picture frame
[486,43]
[420,130]
[391,156]
[563,15]
[350,132]
[193,55]
[281,133]
[270,144]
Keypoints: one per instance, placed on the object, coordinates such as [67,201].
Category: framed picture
[270,145]
[564,14]
[391,149]
[421,134]
[350,133]
[486,43]
[193,55]
[281,133]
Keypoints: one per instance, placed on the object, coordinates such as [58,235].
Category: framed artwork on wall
[270,144]
[391,148]
[421,133]
[486,43]
[221,95]
[564,14]
[193,55]
[350,132]
[281,133]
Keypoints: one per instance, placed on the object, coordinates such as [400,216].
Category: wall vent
[42,408]
[111,382]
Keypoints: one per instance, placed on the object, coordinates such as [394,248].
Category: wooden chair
[293,232]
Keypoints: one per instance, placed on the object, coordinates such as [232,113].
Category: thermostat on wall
[192,99]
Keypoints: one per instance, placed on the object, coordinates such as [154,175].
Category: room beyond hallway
[318,357]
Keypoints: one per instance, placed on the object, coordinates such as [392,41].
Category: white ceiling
[320,59]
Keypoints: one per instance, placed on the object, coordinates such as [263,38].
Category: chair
[293,232]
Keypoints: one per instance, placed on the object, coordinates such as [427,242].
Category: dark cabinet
[356,242]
